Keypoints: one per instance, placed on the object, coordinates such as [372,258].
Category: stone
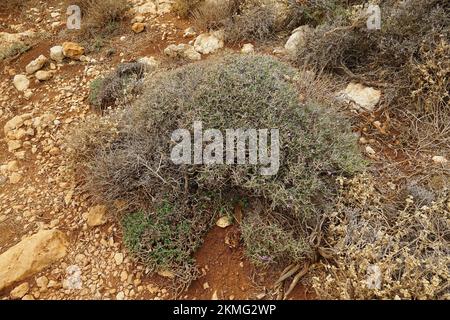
[15,123]
[138,27]
[139,18]
[36,64]
[207,43]
[189,32]
[96,216]
[224,222]
[42,282]
[15,178]
[120,295]
[44,75]
[73,280]
[14,145]
[248,48]
[21,82]
[297,39]
[370,151]
[20,291]
[56,53]
[147,8]
[364,97]
[31,255]
[166,274]
[439,159]
[182,50]
[150,62]
[118,258]
[72,50]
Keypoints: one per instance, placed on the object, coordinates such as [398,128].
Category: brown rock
[96,216]
[31,255]
[20,291]
[138,27]
[72,50]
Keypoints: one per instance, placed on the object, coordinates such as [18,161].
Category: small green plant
[95,86]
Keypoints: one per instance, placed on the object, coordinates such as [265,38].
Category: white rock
[364,97]
[439,159]
[118,258]
[182,50]
[36,64]
[147,8]
[370,151]
[189,32]
[248,48]
[21,82]
[207,43]
[56,53]
[44,75]
[150,62]
[297,39]
[224,222]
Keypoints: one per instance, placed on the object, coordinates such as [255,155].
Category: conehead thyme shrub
[230,92]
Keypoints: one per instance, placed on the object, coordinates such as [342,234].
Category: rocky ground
[55,243]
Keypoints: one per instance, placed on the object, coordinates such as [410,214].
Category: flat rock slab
[31,255]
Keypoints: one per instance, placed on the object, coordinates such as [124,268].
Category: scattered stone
[364,97]
[189,32]
[206,286]
[15,178]
[439,160]
[248,48]
[44,75]
[96,216]
[56,53]
[370,151]
[150,62]
[118,258]
[166,274]
[31,255]
[297,39]
[73,278]
[36,64]
[147,8]
[72,50]
[224,222]
[138,27]
[42,282]
[21,82]
[214,296]
[120,295]
[20,291]
[182,50]
[207,43]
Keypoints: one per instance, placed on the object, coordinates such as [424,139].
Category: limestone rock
[20,291]
[207,43]
[224,222]
[182,50]
[96,216]
[44,75]
[36,64]
[31,255]
[56,53]
[364,97]
[248,48]
[21,82]
[297,39]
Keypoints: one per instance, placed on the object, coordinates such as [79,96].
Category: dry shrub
[386,251]
[125,80]
[185,8]
[255,21]
[100,19]
[408,58]
[215,14]
[230,92]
